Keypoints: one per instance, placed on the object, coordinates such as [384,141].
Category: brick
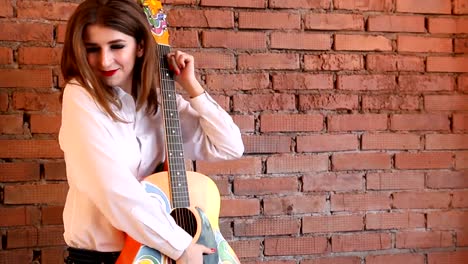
[334,22]
[421,200]
[408,258]
[266,227]
[328,102]
[386,63]
[390,141]
[264,185]
[61,29]
[446,102]
[361,242]
[360,202]
[258,102]
[3,101]
[307,4]
[362,43]
[462,237]
[449,25]
[396,23]
[52,254]
[30,149]
[235,3]
[11,124]
[447,141]
[302,81]
[447,179]
[395,220]
[6,9]
[423,160]
[55,171]
[426,83]
[418,239]
[263,144]
[331,181]
[333,62]
[223,184]
[46,124]
[332,223]
[390,102]
[33,101]
[51,236]
[246,248]
[455,257]
[424,44]
[41,78]
[358,82]
[294,204]
[234,40]
[45,10]
[192,18]
[16,255]
[327,142]
[180,38]
[364,5]
[21,237]
[361,161]
[295,246]
[418,122]
[447,64]
[461,46]
[460,199]
[400,180]
[291,122]
[300,41]
[461,160]
[429,7]
[19,171]
[460,7]
[39,56]
[357,122]
[239,207]
[447,220]
[19,216]
[296,163]
[6,54]
[232,83]
[268,61]
[245,165]
[12,31]
[246,123]
[52,215]
[269,20]
[36,193]
[214,60]
[333,260]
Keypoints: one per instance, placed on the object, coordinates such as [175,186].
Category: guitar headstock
[157,19]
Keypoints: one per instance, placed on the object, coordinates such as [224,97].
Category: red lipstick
[108,73]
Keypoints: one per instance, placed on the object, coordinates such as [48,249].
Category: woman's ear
[140,49]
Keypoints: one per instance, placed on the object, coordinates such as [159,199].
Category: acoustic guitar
[191,198]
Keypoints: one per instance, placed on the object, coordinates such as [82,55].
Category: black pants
[83,256]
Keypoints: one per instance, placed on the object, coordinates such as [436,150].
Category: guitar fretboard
[174,143]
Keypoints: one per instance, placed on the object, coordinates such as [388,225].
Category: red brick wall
[354,116]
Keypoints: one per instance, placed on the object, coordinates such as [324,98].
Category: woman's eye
[92,49]
[117,46]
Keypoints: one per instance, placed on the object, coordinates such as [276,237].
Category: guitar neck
[174,143]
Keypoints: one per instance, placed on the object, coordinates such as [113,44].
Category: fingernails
[213,250]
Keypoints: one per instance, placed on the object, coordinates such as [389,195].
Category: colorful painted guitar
[196,212]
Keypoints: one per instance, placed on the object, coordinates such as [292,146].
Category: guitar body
[200,220]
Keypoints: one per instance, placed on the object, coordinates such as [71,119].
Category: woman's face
[111,55]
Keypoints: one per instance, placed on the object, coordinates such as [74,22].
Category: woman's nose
[105,59]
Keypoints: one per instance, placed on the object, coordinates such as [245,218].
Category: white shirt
[106,160]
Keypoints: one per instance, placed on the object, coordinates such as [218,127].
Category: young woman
[112,134]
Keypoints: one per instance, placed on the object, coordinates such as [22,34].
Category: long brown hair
[127,17]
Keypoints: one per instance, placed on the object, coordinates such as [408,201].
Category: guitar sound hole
[185,219]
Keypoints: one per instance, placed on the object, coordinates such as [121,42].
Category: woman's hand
[194,254]
[183,67]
